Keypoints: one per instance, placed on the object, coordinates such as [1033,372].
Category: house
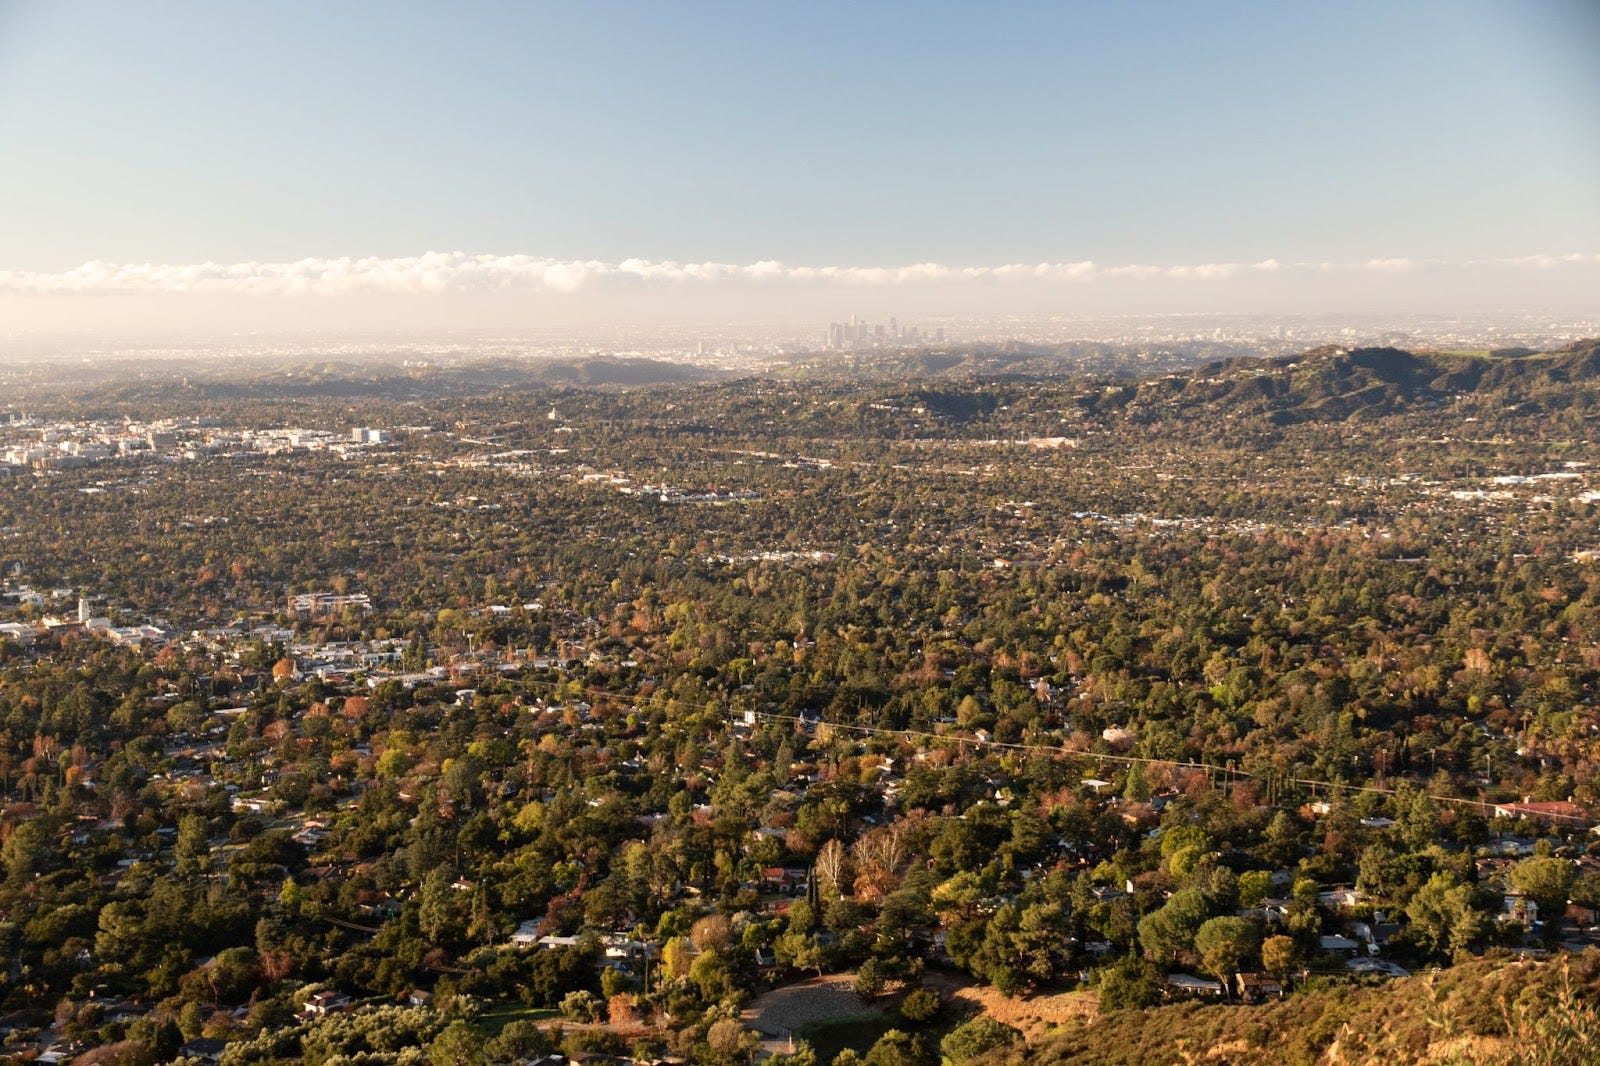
[1339,898]
[784,879]
[205,1050]
[551,941]
[310,836]
[621,946]
[1275,911]
[329,1002]
[379,906]
[1379,967]
[323,604]
[527,934]
[1255,987]
[419,998]
[1119,738]
[118,1009]
[1376,933]
[1512,847]
[1342,946]
[1515,907]
[1559,811]
[1583,915]
[1195,986]
[16,631]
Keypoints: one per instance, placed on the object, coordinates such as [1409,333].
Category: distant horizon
[442,292]
[756,346]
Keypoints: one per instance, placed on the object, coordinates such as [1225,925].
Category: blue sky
[830,135]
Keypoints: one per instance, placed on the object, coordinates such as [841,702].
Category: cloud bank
[459,272]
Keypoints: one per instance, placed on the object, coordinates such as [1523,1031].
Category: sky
[214,166]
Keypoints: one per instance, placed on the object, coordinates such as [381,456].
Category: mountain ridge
[1334,384]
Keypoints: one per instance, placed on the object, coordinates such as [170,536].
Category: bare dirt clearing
[817,999]
[820,999]
[1033,1015]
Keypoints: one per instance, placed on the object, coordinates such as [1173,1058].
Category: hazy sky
[229,164]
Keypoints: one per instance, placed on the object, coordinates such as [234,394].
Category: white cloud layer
[447,272]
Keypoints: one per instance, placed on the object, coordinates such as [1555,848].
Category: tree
[921,1005]
[1134,788]
[1022,947]
[192,850]
[713,977]
[676,957]
[898,1048]
[1419,820]
[27,851]
[1129,984]
[581,1005]
[1278,955]
[519,1040]
[971,1039]
[1546,881]
[804,1055]
[458,1045]
[869,982]
[1225,944]
[711,933]
[730,1042]
[1169,931]
[803,951]
[442,910]
[191,1020]
[615,982]
[165,1042]
[1443,917]
[831,868]
[1253,887]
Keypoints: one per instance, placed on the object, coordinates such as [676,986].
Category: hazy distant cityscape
[744,347]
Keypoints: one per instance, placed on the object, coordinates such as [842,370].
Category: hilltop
[1333,384]
[1495,1010]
